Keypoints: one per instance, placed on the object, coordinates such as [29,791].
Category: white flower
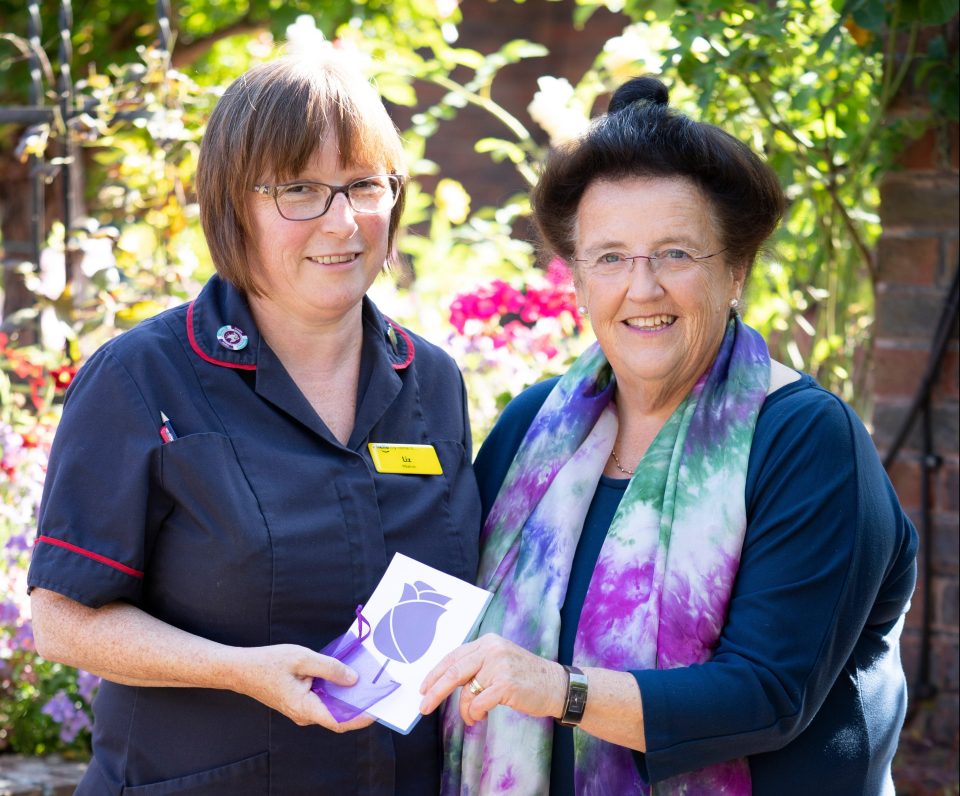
[50,279]
[306,41]
[305,38]
[556,108]
[97,255]
[445,8]
[636,51]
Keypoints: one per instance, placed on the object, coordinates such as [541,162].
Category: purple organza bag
[348,702]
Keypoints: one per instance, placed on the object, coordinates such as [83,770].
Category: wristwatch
[576,697]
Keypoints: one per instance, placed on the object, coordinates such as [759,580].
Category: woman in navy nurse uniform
[198,565]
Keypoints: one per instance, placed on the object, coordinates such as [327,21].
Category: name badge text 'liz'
[405,459]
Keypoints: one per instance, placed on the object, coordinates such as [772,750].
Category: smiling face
[316,271]
[660,326]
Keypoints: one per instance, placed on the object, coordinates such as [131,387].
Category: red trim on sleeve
[206,357]
[95,556]
[407,339]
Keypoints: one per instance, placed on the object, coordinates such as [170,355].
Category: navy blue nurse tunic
[255,526]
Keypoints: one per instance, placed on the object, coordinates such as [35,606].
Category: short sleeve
[99,505]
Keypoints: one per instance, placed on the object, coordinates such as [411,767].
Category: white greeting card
[415,616]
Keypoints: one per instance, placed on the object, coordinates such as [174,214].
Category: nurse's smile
[334,259]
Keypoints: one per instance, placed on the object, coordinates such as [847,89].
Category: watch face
[578,701]
[576,697]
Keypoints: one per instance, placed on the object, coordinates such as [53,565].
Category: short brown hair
[270,121]
[640,136]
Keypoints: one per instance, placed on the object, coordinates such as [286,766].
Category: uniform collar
[220,318]
[221,310]
[397,343]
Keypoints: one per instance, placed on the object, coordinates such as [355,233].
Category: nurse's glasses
[306,200]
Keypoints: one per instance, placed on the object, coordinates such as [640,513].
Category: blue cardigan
[806,680]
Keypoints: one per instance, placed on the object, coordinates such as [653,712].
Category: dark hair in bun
[639,89]
[641,136]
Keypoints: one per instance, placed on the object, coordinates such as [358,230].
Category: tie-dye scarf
[658,596]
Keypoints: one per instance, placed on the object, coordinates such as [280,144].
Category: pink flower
[510,317]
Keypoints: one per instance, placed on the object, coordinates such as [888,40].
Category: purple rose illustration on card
[406,631]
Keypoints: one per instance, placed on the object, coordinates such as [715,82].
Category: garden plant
[808,82]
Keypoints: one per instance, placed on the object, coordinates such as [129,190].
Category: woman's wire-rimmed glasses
[670,260]
[306,200]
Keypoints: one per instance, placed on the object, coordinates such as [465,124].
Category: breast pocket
[247,777]
[434,518]
[202,471]
[210,562]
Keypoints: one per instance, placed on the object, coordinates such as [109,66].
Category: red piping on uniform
[409,342]
[206,357]
[95,556]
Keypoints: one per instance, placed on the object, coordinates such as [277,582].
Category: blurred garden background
[853,102]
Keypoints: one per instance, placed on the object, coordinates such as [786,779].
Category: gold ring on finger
[475,687]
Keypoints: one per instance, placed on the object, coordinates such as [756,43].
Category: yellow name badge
[405,459]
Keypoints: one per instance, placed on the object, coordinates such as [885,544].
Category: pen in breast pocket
[167,434]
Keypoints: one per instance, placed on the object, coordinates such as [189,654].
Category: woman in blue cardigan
[699,567]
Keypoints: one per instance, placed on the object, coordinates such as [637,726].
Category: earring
[582,309]
[734,303]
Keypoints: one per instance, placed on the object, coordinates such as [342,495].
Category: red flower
[37,386]
[63,375]
[23,368]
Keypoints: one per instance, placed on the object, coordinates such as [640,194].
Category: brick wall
[917,258]
[486,27]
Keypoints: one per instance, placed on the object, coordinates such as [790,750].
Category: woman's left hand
[508,675]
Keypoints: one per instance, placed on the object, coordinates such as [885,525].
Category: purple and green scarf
[659,593]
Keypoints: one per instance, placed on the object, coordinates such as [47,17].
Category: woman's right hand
[280,677]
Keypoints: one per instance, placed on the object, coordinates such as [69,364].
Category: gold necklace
[620,467]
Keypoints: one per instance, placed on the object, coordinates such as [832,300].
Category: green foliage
[809,83]
[805,82]
[24,690]
[111,31]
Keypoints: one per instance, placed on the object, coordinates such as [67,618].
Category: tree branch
[498,112]
[187,54]
[865,254]
[830,185]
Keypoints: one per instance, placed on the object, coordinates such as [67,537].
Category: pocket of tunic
[247,777]
[209,567]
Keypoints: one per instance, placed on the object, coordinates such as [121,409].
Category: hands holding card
[415,616]
[279,675]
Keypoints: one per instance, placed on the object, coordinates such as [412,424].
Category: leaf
[465,57]
[518,49]
[394,88]
[871,15]
[135,313]
[500,150]
[937,12]
[582,14]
